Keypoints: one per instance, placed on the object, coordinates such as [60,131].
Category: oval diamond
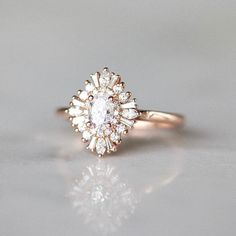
[101,110]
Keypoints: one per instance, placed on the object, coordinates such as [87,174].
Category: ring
[104,112]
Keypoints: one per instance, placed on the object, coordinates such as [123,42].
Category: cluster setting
[103,112]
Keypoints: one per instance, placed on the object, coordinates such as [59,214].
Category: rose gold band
[149,118]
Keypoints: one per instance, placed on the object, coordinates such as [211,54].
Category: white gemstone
[83,95]
[123,97]
[100,132]
[95,78]
[75,111]
[130,113]
[80,120]
[118,88]
[92,143]
[101,110]
[101,146]
[89,87]
[115,137]
[107,131]
[77,102]
[105,78]
[131,104]
[87,135]
[114,80]
[129,123]
[120,128]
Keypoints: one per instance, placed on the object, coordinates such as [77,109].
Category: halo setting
[103,112]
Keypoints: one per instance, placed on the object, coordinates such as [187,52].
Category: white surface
[178,56]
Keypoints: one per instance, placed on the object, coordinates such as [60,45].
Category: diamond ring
[104,112]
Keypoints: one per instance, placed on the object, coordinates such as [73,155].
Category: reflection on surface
[102,198]
[106,192]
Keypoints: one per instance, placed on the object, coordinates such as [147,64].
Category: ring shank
[148,119]
[159,119]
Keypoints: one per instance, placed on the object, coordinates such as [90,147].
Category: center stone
[102,111]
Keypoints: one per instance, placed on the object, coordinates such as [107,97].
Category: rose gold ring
[103,113]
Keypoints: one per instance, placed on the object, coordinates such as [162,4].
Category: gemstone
[114,80]
[101,110]
[89,87]
[101,146]
[107,131]
[120,128]
[78,120]
[75,111]
[118,88]
[130,113]
[105,78]
[83,95]
[115,137]
[87,135]
[124,97]
[131,104]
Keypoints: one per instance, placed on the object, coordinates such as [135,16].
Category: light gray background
[177,55]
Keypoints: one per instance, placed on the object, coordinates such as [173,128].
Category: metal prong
[87,82]
[125,132]
[119,141]
[108,125]
[84,140]
[79,92]
[128,94]
[111,98]
[105,69]
[90,98]
[88,124]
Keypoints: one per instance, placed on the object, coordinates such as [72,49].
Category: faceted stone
[123,97]
[120,128]
[115,137]
[83,95]
[105,78]
[75,111]
[118,88]
[107,131]
[130,113]
[131,104]
[101,146]
[101,110]
[89,87]
[87,135]
[78,120]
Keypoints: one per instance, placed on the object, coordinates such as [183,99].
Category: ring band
[104,112]
[147,118]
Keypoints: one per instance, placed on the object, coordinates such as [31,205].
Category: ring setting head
[103,112]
